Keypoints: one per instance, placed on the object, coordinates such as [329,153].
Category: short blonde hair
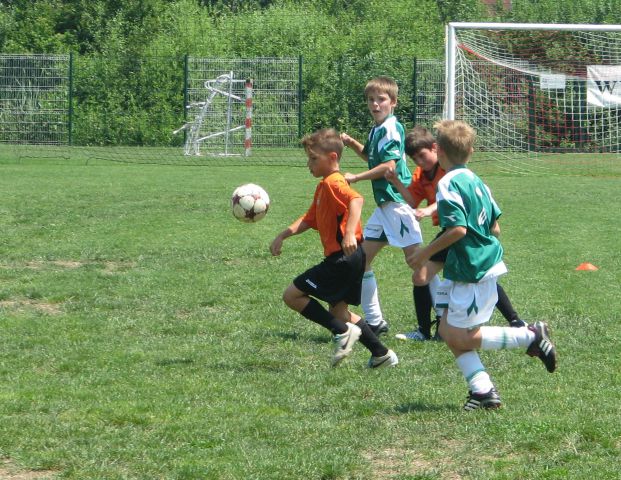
[382,84]
[456,138]
[323,141]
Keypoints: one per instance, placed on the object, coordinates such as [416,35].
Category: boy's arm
[378,171]
[448,238]
[355,145]
[391,176]
[405,192]
[496,229]
[349,242]
[427,211]
[297,227]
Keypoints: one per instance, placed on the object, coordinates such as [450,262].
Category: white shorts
[394,223]
[469,304]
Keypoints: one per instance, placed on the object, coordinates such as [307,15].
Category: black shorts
[338,278]
[441,255]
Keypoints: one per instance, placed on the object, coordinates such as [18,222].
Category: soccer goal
[537,94]
[218,119]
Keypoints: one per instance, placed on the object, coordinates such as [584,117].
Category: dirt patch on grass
[8,471]
[392,463]
[109,266]
[28,304]
[40,264]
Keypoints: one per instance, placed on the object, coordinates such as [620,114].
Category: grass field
[144,337]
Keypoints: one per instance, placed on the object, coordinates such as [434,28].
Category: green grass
[144,336]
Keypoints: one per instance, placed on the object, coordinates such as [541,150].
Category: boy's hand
[349,243]
[350,177]
[419,258]
[346,139]
[276,246]
[390,175]
[421,213]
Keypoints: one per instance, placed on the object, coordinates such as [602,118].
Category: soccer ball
[249,203]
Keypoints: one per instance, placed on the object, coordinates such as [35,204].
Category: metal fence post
[70,107]
[414,91]
[300,102]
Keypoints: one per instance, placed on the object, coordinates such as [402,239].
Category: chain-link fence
[127,109]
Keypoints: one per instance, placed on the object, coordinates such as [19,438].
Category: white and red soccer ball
[249,203]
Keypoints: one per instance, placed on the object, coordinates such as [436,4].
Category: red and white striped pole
[248,136]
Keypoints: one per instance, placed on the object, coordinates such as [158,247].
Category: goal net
[222,119]
[541,96]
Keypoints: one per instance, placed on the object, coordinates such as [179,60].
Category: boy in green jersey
[393,222]
[469,215]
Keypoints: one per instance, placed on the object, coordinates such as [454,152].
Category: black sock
[317,313]
[370,340]
[504,305]
[423,305]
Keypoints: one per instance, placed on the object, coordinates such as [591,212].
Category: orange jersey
[422,188]
[329,212]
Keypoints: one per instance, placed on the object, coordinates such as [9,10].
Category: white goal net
[539,95]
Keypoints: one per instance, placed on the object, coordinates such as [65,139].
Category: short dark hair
[417,139]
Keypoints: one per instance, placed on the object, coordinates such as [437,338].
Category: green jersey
[465,201]
[387,142]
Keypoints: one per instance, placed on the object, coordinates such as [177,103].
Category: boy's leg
[311,309]
[468,306]
[380,355]
[481,390]
[506,308]
[369,297]
[409,252]
[344,342]
[425,281]
[534,337]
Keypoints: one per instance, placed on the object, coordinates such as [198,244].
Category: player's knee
[289,297]
[419,278]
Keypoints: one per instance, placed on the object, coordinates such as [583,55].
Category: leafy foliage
[343,44]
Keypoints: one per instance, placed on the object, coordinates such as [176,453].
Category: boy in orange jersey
[420,146]
[335,213]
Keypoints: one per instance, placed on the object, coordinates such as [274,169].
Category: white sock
[497,338]
[474,372]
[434,283]
[370,300]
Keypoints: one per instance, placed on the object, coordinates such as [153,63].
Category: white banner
[550,81]
[604,86]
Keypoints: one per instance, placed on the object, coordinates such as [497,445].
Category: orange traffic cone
[587,267]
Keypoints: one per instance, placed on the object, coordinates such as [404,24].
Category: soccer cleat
[518,323]
[388,360]
[380,328]
[488,401]
[416,335]
[344,342]
[542,346]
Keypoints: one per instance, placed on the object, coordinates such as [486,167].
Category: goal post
[225,109]
[536,92]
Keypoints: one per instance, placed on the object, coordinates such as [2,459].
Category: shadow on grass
[166,362]
[424,407]
[296,336]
